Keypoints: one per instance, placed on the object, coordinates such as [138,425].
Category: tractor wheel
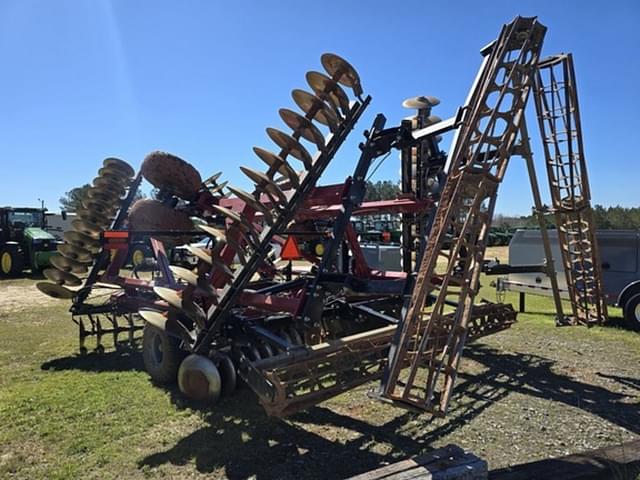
[161,354]
[139,254]
[11,261]
[632,312]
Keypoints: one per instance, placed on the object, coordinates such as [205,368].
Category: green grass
[63,416]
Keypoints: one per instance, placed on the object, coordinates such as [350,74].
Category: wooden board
[450,462]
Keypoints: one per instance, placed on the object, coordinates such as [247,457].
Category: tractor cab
[24,243]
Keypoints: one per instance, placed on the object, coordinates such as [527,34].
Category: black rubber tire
[227,374]
[631,312]
[161,354]
[15,261]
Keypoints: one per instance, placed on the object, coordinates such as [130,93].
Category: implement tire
[161,354]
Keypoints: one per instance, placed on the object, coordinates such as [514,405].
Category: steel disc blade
[54,290]
[342,71]
[212,179]
[87,228]
[157,319]
[185,274]
[218,188]
[250,200]
[278,163]
[228,213]
[118,164]
[264,183]
[303,126]
[67,265]
[432,120]
[329,90]
[311,103]
[81,240]
[201,254]
[170,296]
[217,234]
[420,102]
[291,146]
[60,277]
[75,253]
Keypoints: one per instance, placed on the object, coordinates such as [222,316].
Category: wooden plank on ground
[619,462]
[450,463]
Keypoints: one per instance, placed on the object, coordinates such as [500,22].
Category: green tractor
[23,241]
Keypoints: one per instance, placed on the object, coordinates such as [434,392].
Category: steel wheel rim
[636,312]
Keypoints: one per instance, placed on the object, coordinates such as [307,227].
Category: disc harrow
[301,328]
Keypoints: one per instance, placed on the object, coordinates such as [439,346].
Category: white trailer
[620,263]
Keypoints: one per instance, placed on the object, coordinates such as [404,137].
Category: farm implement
[302,324]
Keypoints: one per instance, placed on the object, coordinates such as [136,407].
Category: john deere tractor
[23,241]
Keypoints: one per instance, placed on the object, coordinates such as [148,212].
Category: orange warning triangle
[290,249]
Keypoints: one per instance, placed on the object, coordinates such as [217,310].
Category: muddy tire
[161,355]
[172,174]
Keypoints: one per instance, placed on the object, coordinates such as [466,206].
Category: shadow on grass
[240,439]
[120,360]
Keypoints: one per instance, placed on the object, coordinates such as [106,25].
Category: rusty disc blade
[114,175]
[81,240]
[291,146]
[67,265]
[99,206]
[264,183]
[93,217]
[118,164]
[54,290]
[303,126]
[87,228]
[420,102]
[172,174]
[108,183]
[309,103]
[250,200]
[329,90]
[342,71]
[278,163]
[61,278]
[102,194]
[75,253]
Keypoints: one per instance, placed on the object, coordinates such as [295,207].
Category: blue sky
[83,80]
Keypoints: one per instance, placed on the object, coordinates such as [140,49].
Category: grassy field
[531,392]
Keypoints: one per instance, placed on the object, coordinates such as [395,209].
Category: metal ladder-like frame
[430,340]
[559,120]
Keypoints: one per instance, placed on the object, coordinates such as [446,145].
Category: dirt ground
[531,392]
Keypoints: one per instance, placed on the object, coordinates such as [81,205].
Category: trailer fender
[627,292]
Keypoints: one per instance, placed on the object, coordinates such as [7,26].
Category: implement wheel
[161,354]
[632,312]
[11,261]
